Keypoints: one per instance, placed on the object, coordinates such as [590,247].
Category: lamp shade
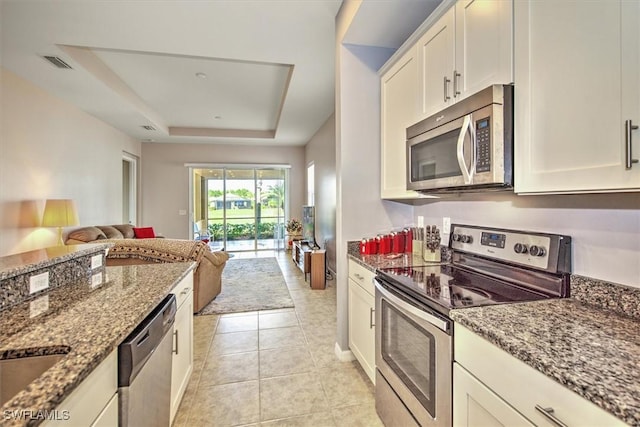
[60,213]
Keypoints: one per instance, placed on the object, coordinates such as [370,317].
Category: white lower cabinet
[476,405]
[491,387]
[95,401]
[182,362]
[361,309]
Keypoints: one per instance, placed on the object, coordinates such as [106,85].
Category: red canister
[372,246]
[397,243]
[385,244]
[363,247]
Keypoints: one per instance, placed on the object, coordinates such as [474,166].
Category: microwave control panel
[483,145]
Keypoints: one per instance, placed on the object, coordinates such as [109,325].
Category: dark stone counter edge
[28,268]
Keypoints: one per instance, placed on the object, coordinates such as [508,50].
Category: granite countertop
[592,351]
[87,323]
[373,262]
[26,262]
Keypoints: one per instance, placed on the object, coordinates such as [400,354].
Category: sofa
[129,250]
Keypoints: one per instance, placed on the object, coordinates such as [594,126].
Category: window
[311,184]
[240,208]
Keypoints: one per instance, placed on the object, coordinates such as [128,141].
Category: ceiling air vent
[148,127]
[58,62]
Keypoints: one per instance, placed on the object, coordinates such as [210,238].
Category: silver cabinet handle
[456,77]
[446,89]
[371,322]
[629,127]
[185,291]
[548,413]
[359,277]
[175,339]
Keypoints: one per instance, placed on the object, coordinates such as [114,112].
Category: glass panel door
[240,209]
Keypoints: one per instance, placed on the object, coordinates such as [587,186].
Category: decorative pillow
[111,232]
[144,232]
[87,234]
[126,230]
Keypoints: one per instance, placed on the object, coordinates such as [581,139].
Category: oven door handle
[467,127]
[441,324]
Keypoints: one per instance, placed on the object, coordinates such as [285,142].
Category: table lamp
[60,213]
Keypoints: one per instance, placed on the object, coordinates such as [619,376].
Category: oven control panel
[541,251]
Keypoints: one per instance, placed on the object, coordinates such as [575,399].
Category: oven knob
[537,250]
[520,248]
[456,237]
[466,238]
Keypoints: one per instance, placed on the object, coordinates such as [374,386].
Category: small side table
[318,274]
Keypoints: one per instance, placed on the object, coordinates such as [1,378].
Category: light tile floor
[276,367]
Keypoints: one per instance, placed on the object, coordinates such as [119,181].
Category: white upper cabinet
[436,54]
[465,50]
[399,107]
[484,45]
[468,49]
[577,85]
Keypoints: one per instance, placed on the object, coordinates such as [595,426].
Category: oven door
[413,353]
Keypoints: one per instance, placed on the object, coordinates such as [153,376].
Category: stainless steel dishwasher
[144,369]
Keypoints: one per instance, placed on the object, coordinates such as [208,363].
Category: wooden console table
[310,261]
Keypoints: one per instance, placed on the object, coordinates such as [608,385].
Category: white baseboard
[343,355]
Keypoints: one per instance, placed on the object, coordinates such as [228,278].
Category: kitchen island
[85,323]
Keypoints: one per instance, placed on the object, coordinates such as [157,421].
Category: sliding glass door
[240,209]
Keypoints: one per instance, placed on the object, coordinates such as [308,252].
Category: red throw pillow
[144,232]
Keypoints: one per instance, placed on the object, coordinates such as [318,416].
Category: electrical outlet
[96,280]
[420,221]
[38,306]
[446,225]
[96,261]
[38,282]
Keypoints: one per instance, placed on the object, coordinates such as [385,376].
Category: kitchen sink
[17,374]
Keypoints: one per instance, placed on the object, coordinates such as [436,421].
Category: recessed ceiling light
[201,75]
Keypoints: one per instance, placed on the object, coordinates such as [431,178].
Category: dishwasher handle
[138,347]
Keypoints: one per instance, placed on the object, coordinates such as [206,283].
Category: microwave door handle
[466,123]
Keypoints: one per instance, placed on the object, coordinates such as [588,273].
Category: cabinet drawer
[183,289]
[362,276]
[523,387]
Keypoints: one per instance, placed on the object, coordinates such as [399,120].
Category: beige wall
[165,179]
[51,149]
[321,150]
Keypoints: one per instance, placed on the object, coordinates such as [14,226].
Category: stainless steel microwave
[466,147]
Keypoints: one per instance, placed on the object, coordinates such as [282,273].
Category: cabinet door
[182,362]
[399,106]
[577,81]
[436,53]
[476,405]
[484,45]
[361,328]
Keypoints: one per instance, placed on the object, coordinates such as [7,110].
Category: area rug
[250,285]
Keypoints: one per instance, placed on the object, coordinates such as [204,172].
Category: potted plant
[294,231]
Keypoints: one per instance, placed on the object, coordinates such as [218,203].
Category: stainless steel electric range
[414,334]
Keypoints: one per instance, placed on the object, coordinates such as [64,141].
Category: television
[308,225]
